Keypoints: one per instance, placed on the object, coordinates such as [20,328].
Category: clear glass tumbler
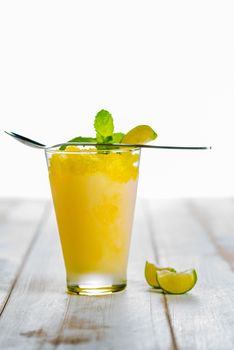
[94,193]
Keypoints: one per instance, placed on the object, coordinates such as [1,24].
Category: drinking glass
[94,193]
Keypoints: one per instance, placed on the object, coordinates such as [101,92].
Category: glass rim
[122,148]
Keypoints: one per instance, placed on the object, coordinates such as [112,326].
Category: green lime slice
[176,282]
[139,135]
[151,271]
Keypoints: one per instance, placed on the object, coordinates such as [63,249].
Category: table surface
[37,313]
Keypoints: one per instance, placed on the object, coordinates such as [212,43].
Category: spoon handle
[36,144]
[131,145]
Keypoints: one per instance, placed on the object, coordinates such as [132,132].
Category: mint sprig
[104,127]
[104,124]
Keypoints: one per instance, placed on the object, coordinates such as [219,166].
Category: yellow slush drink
[94,194]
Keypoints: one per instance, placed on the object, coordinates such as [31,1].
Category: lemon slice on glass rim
[141,134]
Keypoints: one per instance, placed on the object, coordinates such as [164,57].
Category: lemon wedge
[176,282]
[151,271]
[141,134]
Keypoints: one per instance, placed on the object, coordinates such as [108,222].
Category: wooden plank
[41,315]
[37,303]
[134,319]
[212,214]
[18,222]
[203,318]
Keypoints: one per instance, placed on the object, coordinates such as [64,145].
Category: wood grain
[19,221]
[134,319]
[217,217]
[41,315]
[203,318]
[37,303]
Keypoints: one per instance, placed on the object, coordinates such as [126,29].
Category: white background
[164,63]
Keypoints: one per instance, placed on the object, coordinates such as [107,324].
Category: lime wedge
[139,135]
[176,282]
[151,271]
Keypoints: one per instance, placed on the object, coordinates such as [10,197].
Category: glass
[94,193]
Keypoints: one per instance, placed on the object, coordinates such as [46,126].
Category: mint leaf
[100,138]
[117,137]
[103,123]
[79,139]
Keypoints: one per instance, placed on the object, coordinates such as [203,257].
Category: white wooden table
[37,313]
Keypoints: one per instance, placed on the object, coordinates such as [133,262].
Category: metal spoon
[35,144]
